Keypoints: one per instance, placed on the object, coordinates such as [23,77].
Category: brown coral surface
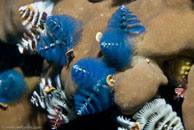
[188,105]
[169,33]
[137,85]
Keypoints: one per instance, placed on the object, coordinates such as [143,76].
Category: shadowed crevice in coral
[121,2]
[33,116]
[100,54]
[100,121]
[173,69]
[54,1]
[95,1]
[193,4]
[10,58]
[31,64]
[167,92]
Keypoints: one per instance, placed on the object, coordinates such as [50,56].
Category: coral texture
[131,90]
[188,106]
[169,33]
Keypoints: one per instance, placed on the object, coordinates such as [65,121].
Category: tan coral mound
[137,85]
[188,104]
[169,33]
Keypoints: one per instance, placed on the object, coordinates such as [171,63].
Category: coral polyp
[117,41]
[12,87]
[94,78]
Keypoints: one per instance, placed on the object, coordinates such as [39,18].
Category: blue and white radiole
[12,87]
[61,35]
[93,78]
[117,41]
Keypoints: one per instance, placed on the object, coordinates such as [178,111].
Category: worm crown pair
[55,36]
[51,36]
[94,76]
[117,41]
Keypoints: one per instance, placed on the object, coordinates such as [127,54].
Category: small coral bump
[147,60]
[98,36]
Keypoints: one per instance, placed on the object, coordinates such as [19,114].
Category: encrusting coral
[169,33]
[188,106]
[140,91]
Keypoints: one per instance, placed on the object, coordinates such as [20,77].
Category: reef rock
[137,85]
[169,33]
[188,105]
[11,28]
[169,29]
